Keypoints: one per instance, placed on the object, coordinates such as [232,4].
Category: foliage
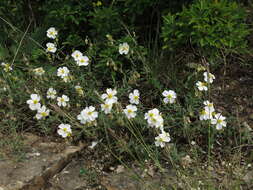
[207,26]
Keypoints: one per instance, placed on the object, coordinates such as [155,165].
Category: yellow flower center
[44,114]
[110,96]
[202,84]
[203,112]
[151,115]
[130,111]
[124,48]
[169,96]
[35,101]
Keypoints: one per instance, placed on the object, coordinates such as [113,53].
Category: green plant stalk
[20,43]
[210,135]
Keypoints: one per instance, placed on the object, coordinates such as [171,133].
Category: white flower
[201,86]
[208,78]
[151,113]
[79,90]
[51,93]
[76,55]
[51,47]
[87,115]
[162,138]
[170,96]
[52,33]
[39,71]
[219,121]
[209,106]
[106,107]
[130,111]
[42,112]
[7,67]
[83,61]
[156,122]
[34,102]
[134,97]
[154,118]
[123,48]
[110,96]
[62,72]
[64,130]
[62,101]
[205,115]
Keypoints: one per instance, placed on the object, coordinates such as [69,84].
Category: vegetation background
[171,44]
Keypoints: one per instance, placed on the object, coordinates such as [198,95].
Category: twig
[19,45]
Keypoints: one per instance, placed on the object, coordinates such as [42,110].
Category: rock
[69,178]
[40,164]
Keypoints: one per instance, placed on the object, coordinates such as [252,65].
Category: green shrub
[208,26]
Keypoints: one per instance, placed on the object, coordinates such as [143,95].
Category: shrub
[208,26]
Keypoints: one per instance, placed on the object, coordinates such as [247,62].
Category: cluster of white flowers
[154,119]
[34,104]
[81,60]
[51,33]
[130,110]
[208,78]
[7,67]
[123,48]
[109,99]
[89,114]
[208,113]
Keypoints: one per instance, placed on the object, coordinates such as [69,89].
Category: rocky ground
[52,165]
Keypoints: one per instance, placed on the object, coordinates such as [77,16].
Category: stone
[40,164]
